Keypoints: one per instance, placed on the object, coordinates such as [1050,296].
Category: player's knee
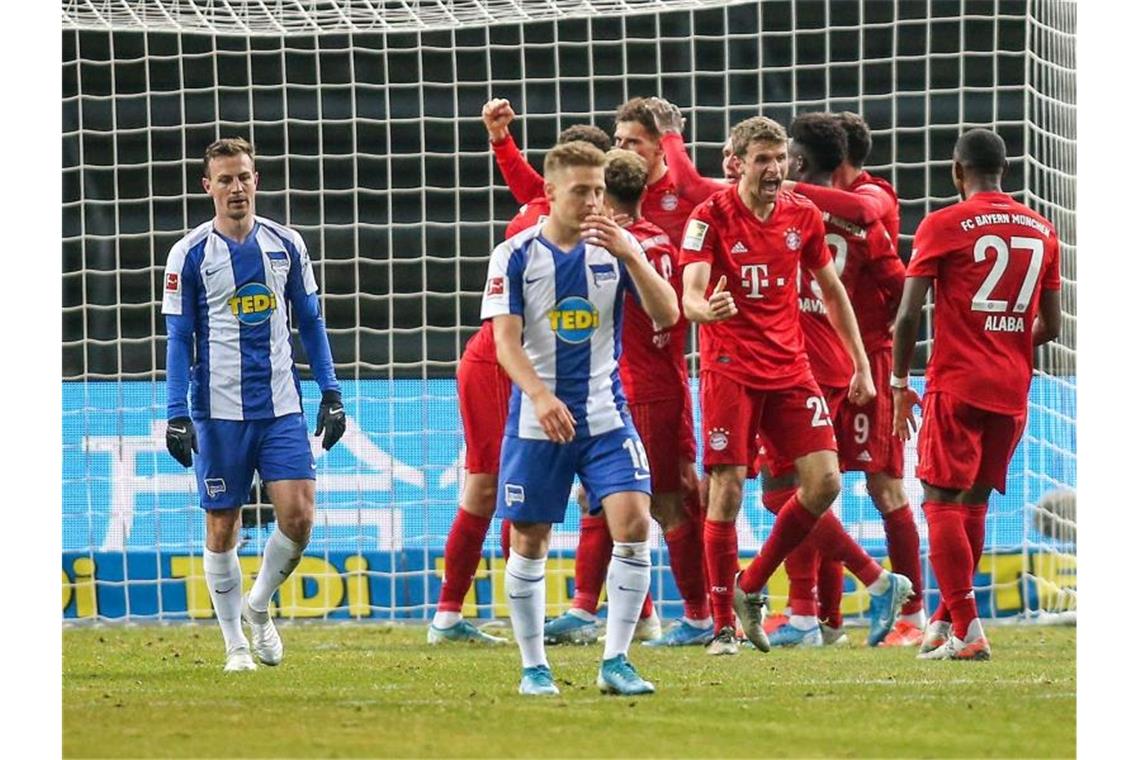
[298,526]
[886,492]
[583,499]
[479,492]
[819,492]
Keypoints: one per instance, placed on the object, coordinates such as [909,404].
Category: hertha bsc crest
[792,239]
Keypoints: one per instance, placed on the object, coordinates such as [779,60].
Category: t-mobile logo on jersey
[754,278]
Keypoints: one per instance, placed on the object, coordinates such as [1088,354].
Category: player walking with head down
[751,240]
[995,264]
[555,293]
[226,288]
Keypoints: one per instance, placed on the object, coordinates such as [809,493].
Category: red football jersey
[762,346]
[652,364]
[664,206]
[890,219]
[871,272]
[528,216]
[830,363]
[989,257]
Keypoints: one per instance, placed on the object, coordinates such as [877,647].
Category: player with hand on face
[872,274]
[693,187]
[995,265]
[227,285]
[556,295]
[483,389]
[655,380]
[751,240]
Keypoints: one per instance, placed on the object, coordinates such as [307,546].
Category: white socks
[917,619]
[803,622]
[526,599]
[281,557]
[974,632]
[446,619]
[223,577]
[626,586]
[880,585]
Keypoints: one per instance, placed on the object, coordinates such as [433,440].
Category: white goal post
[365,118]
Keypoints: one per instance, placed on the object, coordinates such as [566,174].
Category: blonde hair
[573,153]
[756,129]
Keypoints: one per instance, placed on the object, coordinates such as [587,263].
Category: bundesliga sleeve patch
[171,282]
[495,286]
[695,235]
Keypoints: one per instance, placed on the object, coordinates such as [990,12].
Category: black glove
[330,419]
[181,439]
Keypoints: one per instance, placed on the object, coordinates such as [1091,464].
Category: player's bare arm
[842,318]
[1047,325]
[553,415]
[667,116]
[497,117]
[657,297]
[717,307]
[906,333]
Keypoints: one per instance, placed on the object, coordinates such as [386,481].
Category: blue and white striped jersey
[571,307]
[227,301]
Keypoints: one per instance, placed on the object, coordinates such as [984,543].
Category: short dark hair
[982,151]
[227,146]
[637,109]
[574,153]
[626,175]
[596,136]
[820,137]
[858,137]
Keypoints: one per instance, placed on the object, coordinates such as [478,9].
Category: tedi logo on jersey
[253,303]
[573,319]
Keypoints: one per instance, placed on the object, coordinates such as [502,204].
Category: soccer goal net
[365,116]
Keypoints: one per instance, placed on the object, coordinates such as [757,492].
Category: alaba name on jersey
[762,346]
[652,362]
[989,257]
[571,304]
[235,293]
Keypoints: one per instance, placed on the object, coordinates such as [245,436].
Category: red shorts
[770,455]
[960,445]
[867,442]
[484,391]
[666,429]
[795,420]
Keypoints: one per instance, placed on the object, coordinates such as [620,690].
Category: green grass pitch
[373,690]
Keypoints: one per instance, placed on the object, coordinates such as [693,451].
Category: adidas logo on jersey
[739,248]
[864,456]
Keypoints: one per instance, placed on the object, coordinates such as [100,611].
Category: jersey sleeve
[626,280]
[700,238]
[301,281]
[503,293]
[689,183]
[1051,280]
[179,293]
[815,254]
[524,182]
[301,290]
[930,245]
[863,205]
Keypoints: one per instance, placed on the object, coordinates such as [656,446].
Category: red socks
[801,567]
[461,555]
[792,526]
[902,547]
[722,564]
[834,543]
[952,558]
[505,539]
[829,589]
[591,562]
[686,557]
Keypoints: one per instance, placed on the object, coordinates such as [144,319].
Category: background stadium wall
[369,142]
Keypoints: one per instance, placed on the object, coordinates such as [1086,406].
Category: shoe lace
[623,669]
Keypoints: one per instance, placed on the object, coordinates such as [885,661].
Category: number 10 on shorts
[637,456]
